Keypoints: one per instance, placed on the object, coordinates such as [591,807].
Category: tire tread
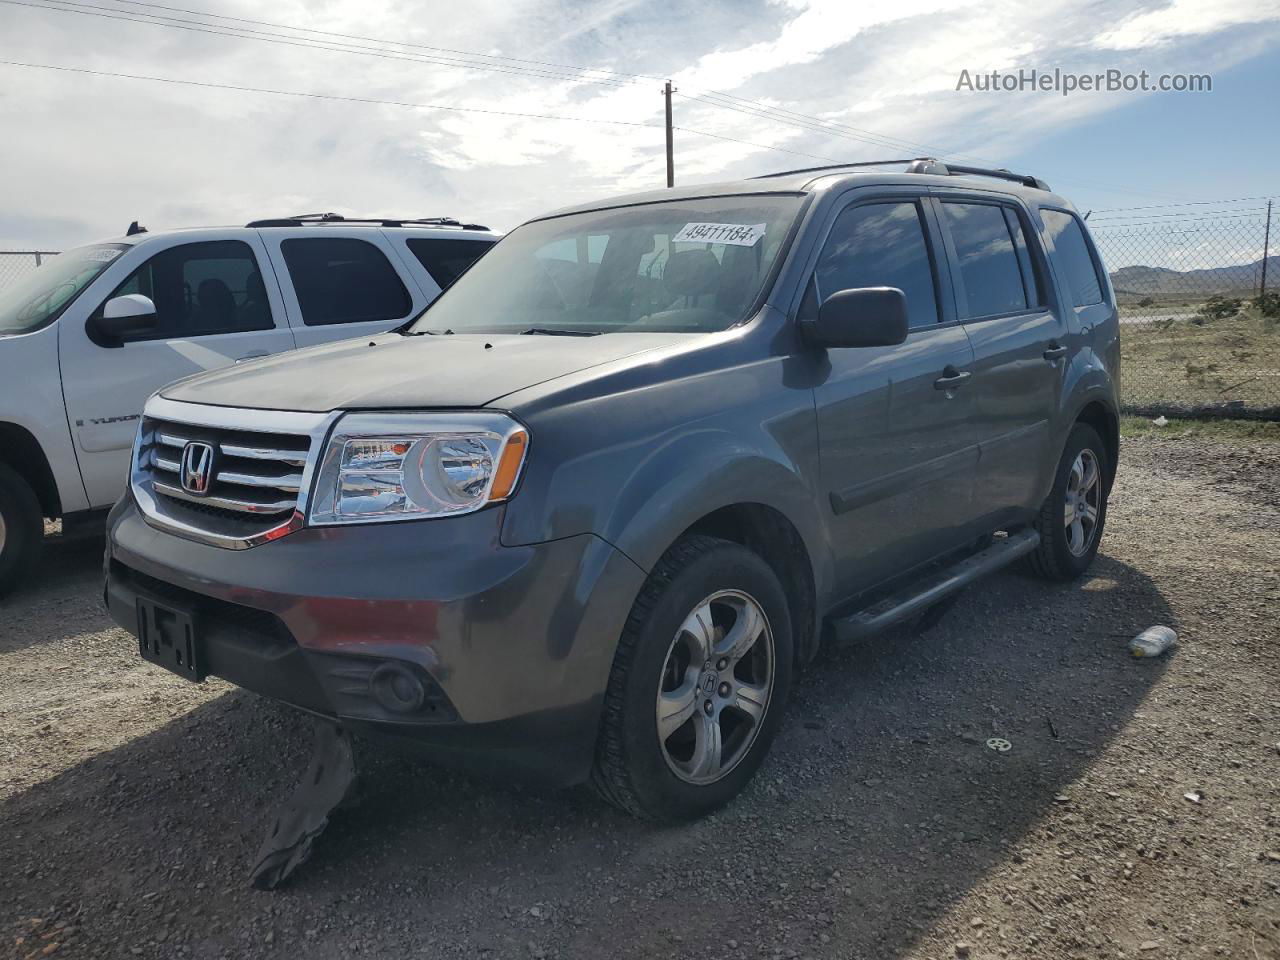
[610,777]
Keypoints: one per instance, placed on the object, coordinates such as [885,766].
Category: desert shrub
[1217,307]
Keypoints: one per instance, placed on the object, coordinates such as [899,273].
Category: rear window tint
[344,280]
[446,258]
[989,265]
[1070,252]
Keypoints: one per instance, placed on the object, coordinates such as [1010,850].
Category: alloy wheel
[716,685]
[1082,502]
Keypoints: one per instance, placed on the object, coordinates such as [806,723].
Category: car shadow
[67,578]
[881,803]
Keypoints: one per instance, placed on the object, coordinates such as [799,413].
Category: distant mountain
[1163,283]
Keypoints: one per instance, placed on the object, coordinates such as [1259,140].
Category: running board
[919,596]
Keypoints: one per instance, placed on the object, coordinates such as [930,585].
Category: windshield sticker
[735,234]
[102,254]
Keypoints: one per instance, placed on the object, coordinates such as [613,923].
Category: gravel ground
[882,826]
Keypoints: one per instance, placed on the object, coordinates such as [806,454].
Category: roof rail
[837,166]
[941,169]
[303,219]
[928,165]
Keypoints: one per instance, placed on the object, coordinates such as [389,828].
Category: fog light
[397,688]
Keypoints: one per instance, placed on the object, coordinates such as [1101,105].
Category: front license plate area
[167,638]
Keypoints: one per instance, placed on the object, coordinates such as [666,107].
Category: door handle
[252,356]
[951,378]
[1055,351]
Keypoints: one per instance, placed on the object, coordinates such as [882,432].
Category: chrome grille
[254,473]
[257,478]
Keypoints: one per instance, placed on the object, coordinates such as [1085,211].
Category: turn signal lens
[504,481]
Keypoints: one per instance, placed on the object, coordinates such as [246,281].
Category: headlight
[388,466]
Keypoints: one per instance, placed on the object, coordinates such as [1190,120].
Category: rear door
[897,448]
[215,305]
[999,273]
[340,284]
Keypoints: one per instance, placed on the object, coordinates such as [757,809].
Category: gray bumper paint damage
[513,643]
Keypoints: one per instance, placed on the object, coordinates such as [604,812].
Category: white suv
[85,339]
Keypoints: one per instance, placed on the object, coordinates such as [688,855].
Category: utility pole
[1266,243]
[671,157]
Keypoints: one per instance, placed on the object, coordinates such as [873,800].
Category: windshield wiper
[551,332]
[425,333]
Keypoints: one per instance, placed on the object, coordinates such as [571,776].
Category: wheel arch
[22,453]
[770,534]
[1107,423]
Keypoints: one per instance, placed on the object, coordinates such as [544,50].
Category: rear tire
[21,528]
[1074,514]
[699,682]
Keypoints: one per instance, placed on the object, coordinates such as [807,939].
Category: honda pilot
[587,513]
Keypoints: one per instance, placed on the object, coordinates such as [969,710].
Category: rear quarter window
[445,258]
[1070,250]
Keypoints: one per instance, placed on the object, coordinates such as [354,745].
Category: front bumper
[512,645]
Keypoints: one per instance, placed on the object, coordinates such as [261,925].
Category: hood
[390,371]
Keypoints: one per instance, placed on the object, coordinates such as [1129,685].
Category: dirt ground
[881,827]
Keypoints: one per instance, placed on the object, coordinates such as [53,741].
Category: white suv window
[201,289]
[446,257]
[344,280]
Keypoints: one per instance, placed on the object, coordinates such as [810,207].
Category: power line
[326,96]
[818,125]
[762,146]
[240,33]
[505,65]
[403,43]
[396,103]
[751,108]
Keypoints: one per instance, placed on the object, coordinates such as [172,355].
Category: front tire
[21,528]
[699,681]
[1072,518]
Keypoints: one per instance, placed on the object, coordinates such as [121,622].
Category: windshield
[41,295]
[684,266]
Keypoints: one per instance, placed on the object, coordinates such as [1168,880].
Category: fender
[1088,381]
[638,461]
[32,402]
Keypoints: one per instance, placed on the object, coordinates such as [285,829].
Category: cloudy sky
[801,81]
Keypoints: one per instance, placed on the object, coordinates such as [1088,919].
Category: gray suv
[584,516]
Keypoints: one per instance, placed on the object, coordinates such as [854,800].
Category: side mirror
[126,316]
[865,317]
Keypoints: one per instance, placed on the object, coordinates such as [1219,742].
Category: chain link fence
[1198,287]
[16,264]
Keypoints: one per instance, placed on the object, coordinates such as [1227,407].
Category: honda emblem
[197,467]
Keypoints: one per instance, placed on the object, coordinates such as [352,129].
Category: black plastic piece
[326,786]
[134,229]
[167,638]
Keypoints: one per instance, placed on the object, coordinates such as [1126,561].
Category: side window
[879,245]
[445,259]
[988,261]
[1070,252]
[201,289]
[1021,240]
[344,280]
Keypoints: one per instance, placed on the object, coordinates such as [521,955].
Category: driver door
[215,305]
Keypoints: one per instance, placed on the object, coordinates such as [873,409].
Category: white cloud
[85,155]
[1185,18]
